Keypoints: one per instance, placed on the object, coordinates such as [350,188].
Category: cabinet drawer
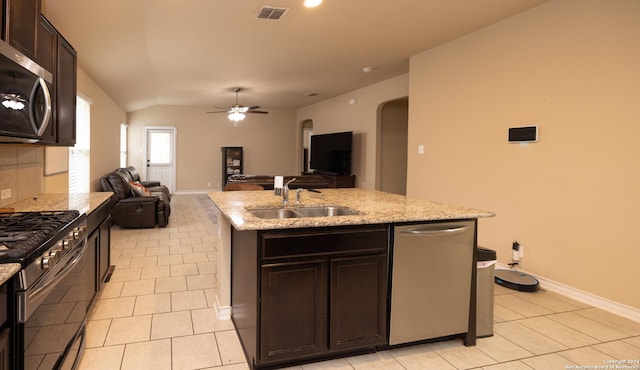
[318,242]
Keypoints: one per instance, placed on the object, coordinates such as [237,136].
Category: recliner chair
[133,211]
[135,175]
[131,174]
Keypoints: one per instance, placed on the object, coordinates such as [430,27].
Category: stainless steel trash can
[486,260]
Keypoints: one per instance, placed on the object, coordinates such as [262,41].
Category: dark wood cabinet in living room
[232,163]
[317,292]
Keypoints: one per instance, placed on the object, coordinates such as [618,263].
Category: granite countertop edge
[372,207]
[83,202]
[7,270]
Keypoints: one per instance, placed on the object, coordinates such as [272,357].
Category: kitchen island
[308,287]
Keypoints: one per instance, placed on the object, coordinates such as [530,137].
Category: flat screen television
[331,153]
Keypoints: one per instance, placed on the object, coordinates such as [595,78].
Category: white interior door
[160,155]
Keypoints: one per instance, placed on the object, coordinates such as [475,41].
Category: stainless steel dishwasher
[431,280]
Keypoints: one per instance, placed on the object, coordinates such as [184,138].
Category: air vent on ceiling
[270,12]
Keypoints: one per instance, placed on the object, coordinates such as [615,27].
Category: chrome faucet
[285,192]
[298,192]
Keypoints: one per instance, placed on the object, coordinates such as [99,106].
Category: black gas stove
[38,240]
[24,234]
[57,275]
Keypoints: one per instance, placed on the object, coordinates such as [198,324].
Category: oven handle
[41,289]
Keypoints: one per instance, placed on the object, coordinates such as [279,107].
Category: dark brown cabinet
[305,321]
[21,24]
[65,80]
[232,163]
[99,239]
[301,295]
[5,331]
[5,349]
[47,45]
[56,55]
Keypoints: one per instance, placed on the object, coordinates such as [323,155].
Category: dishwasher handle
[419,231]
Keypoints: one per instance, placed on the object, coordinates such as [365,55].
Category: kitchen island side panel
[244,289]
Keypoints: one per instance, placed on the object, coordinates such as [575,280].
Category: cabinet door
[104,251]
[66,82]
[47,45]
[21,24]
[5,350]
[358,302]
[46,57]
[293,310]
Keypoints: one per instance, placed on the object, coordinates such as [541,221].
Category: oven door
[53,333]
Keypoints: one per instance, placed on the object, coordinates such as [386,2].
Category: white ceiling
[193,52]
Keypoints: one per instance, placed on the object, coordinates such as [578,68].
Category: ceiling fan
[237,111]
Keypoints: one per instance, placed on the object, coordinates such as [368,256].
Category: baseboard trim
[590,299]
[223,312]
[207,191]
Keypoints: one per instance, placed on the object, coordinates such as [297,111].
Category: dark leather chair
[135,176]
[131,174]
[133,211]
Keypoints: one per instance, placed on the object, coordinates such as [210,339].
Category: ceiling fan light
[236,116]
[312,3]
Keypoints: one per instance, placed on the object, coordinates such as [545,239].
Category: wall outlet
[208,184]
[6,194]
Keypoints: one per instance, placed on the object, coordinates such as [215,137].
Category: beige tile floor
[157,313]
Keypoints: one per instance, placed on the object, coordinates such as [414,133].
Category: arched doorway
[391,159]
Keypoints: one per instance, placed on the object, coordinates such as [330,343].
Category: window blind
[79,154]
[123,144]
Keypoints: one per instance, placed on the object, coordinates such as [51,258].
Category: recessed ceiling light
[367,69]
[312,3]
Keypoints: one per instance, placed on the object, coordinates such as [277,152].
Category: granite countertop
[373,207]
[7,270]
[83,202]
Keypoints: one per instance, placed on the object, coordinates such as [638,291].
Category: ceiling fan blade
[257,111]
[254,107]
[219,111]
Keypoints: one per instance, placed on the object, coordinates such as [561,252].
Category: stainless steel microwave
[25,98]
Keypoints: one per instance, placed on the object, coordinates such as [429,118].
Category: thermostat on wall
[527,134]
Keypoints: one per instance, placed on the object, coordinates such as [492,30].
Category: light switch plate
[6,194]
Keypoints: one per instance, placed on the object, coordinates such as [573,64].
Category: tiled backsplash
[21,172]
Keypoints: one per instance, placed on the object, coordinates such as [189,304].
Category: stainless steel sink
[320,211]
[325,211]
[274,213]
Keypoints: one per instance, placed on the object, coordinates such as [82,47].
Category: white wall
[571,67]
[269,143]
[337,115]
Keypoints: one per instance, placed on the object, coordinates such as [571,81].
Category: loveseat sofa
[137,205]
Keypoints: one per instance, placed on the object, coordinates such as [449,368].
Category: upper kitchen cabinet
[21,19]
[56,55]
[65,80]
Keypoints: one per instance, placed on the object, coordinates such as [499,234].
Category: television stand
[336,181]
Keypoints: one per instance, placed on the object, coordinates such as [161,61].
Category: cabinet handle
[450,230]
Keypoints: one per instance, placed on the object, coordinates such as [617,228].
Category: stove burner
[23,232]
